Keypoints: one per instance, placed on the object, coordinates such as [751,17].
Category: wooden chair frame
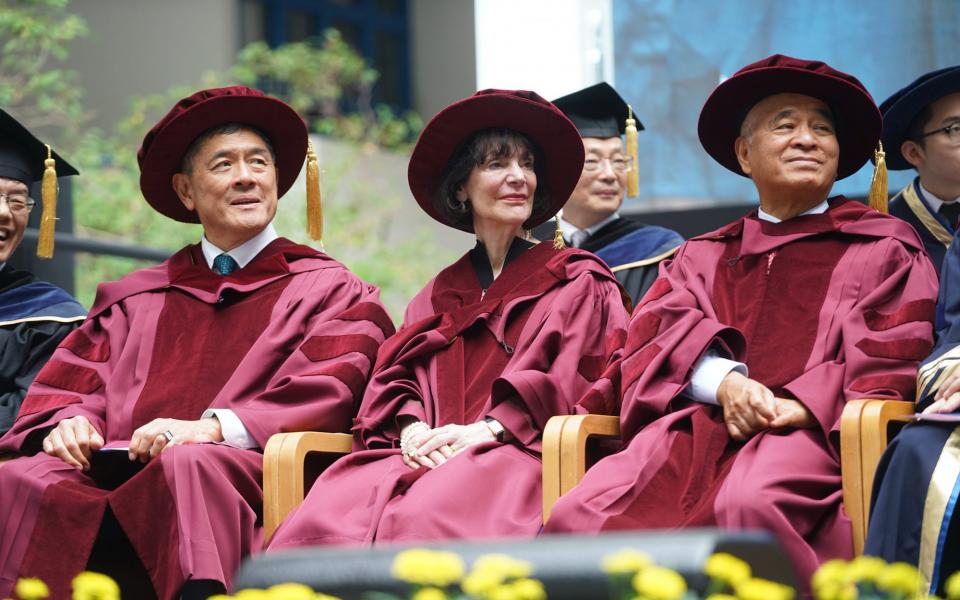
[865,428]
[284,477]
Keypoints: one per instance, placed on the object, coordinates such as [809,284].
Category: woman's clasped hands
[421,446]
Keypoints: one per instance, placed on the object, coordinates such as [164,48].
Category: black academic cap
[598,111]
[22,155]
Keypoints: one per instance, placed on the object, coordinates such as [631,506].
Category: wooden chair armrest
[283,471]
[863,437]
[565,452]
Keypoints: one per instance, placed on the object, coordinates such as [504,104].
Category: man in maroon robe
[141,437]
[739,361]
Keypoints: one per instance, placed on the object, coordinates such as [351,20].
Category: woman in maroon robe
[447,439]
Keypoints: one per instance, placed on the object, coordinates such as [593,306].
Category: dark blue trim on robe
[641,244]
[38,300]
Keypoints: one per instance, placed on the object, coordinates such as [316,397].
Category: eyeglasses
[18,202]
[620,165]
[952,131]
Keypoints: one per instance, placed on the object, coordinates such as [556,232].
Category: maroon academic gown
[287,343]
[520,352]
[822,309]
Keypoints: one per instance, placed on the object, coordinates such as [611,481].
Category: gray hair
[186,165]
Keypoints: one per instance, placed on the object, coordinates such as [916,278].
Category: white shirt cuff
[708,374]
[235,434]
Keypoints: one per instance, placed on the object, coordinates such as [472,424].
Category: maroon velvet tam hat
[858,120]
[519,110]
[163,148]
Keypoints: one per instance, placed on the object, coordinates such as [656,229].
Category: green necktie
[224,264]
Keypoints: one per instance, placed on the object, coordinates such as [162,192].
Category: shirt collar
[816,210]
[243,253]
[567,229]
[935,202]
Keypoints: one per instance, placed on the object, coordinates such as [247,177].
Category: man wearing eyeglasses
[914,517]
[921,130]
[34,315]
[591,219]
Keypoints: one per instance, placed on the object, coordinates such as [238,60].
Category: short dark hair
[482,146]
[186,165]
[918,125]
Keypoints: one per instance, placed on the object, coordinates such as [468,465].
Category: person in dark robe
[140,441]
[447,439]
[591,218]
[35,315]
[913,517]
[739,360]
[921,130]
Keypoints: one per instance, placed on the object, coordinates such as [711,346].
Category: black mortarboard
[22,155]
[900,109]
[598,111]
[25,158]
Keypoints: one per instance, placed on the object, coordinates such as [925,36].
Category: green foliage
[35,37]
[318,80]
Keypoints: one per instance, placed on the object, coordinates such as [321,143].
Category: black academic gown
[632,250]
[35,316]
[935,232]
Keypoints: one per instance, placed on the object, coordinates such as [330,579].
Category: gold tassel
[878,187]
[48,219]
[558,243]
[314,206]
[633,152]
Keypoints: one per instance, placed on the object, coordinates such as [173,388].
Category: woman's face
[500,190]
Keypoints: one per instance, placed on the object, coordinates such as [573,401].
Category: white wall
[549,46]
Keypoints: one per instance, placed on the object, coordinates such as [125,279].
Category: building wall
[443,53]
[138,47]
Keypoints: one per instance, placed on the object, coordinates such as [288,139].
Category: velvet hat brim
[161,154]
[900,109]
[521,111]
[856,116]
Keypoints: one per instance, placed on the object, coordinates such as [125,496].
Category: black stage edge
[568,565]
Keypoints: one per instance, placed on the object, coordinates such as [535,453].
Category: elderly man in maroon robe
[739,360]
[152,415]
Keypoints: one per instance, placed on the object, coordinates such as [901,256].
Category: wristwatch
[495,427]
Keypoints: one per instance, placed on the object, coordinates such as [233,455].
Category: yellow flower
[503,566]
[865,568]
[902,578]
[480,583]
[528,589]
[95,586]
[220,597]
[831,574]
[762,589]
[252,594]
[429,593]
[427,567]
[291,591]
[837,591]
[31,589]
[625,562]
[953,586]
[659,583]
[727,568]
[721,597]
